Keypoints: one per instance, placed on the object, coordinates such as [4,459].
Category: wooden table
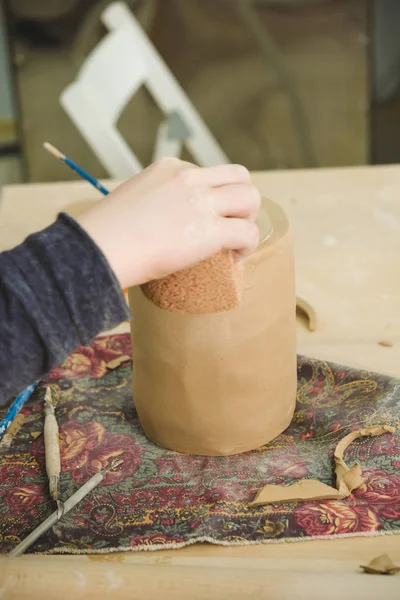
[347,231]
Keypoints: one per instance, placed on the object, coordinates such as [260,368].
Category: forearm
[56,292]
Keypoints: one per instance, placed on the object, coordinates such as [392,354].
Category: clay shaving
[386,343]
[347,478]
[381,565]
[302,306]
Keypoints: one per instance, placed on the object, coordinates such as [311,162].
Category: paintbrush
[75,167]
[52,451]
[16,407]
[68,505]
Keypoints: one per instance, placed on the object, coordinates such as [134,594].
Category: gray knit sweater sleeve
[57,291]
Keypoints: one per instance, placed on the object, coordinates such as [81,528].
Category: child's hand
[173,215]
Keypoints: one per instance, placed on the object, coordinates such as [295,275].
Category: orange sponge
[214,285]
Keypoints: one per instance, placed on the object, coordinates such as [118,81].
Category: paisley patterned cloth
[161,499]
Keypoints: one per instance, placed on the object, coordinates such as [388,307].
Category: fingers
[239,200]
[215,176]
[240,235]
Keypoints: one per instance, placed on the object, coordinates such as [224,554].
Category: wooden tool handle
[53,462]
[52,450]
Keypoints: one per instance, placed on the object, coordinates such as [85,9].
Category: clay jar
[221,383]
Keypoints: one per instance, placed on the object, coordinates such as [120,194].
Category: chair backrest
[121,63]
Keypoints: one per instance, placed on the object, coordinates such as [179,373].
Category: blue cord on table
[16,407]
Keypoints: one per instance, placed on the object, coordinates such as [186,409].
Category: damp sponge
[214,285]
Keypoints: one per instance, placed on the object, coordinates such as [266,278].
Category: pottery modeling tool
[52,451]
[68,505]
[75,167]
[16,407]
[212,286]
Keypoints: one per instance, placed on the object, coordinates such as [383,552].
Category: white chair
[121,63]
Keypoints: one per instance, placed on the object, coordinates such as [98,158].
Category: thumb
[241,235]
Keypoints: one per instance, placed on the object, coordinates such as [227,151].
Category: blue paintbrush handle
[72,165]
[16,407]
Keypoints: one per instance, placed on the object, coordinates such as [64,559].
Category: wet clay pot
[221,383]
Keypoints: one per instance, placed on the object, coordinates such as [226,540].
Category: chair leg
[171,135]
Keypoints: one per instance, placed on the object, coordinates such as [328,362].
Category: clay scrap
[386,343]
[381,565]
[348,478]
[303,307]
